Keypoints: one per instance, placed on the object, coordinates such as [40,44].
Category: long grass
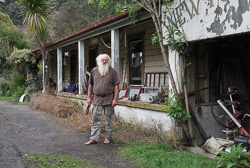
[161,155]
[154,151]
[16,81]
[6,98]
[49,160]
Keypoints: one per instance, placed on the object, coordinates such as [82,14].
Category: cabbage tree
[36,17]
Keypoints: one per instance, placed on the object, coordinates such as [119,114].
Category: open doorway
[92,58]
[135,62]
[73,67]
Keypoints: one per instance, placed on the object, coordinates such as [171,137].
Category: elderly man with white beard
[102,94]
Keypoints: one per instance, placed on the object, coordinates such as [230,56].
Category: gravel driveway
[23,131]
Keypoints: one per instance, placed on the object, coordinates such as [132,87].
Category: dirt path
[23,131]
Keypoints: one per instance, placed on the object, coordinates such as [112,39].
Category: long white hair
[103,68]
[98,59]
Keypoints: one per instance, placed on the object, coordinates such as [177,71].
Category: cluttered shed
[218,36]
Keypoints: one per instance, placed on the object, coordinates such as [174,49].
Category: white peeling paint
[202,19]
[174,61]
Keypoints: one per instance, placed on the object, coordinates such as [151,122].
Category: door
[135,63]
[92,58]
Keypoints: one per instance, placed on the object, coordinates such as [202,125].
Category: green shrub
[8,93]
[4,86]
[174,108]
[17,81]
[33,83]
[236,158]
[19,93]
[5,73]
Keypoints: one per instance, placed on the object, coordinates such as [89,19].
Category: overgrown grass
[24,103]
[17,81]
[155,151]
[161,155]
[6,98]
[49,160]
[12,98]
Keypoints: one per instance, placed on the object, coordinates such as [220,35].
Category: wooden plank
[154,63]
[153,52]
[153,58]
[155,69]
[152,47]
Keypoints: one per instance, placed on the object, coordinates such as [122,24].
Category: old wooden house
[217,32]
[139,63]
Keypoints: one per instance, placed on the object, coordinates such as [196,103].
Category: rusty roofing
[86,29]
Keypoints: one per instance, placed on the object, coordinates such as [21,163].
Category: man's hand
[89,94]
[89,101]
[114,103]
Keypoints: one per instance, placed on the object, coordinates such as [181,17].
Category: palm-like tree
[39,26]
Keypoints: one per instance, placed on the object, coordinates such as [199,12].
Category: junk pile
[147,94]
[214,145]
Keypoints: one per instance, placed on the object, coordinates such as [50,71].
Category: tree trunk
[46,60]
[165,55]
[166,60]
[186,127]
[46,77]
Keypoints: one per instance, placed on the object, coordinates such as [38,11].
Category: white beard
[103,68]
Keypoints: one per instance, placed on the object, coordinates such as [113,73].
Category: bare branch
[150,9]
[157,15]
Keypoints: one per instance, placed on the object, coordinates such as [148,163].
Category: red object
[131,88]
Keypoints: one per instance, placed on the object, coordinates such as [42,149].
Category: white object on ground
[22,98]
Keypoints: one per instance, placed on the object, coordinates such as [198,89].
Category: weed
[6,97]
[19,93]
[174,108]
[161,155]
[8,93]
[16,81]
[236,158]
[4,86]
[49,160]
[24,103]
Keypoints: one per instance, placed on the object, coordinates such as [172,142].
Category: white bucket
[212,146]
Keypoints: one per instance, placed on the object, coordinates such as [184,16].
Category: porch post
[59,70]
[43,76]
[115,49]
[81,66]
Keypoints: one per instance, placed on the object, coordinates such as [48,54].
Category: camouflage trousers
[96,122]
